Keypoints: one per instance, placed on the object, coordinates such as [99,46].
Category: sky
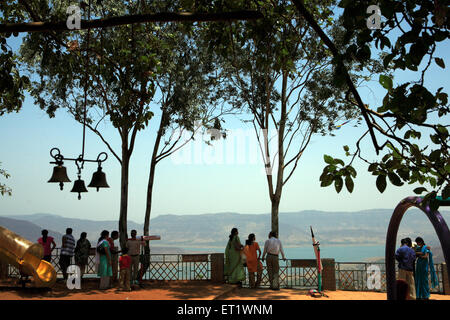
[181,187]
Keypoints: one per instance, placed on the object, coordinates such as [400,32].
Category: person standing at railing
[424,265]
[46,241]
[67,251]
[273,248]
[103,260]
[125,263]
[114,255]
[234,268]
[82,252]
[254,265]
[406,256]
[134,250]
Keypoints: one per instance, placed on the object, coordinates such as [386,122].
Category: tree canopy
[409,34]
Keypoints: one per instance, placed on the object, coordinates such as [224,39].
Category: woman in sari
[82,252]
[234,268]
[424,265]
[254,265]
[103,260]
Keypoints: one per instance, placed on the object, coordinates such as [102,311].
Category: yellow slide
[27,257]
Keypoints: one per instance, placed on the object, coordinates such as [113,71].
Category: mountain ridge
[211,230]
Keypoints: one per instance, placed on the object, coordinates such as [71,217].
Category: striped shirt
[69,245]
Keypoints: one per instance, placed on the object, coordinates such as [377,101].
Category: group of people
[107,260]
[238,256]
[415,264]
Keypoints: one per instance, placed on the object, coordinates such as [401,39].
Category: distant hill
[32,231]
[331,228]
[366,227]
[28,230]
[91,227]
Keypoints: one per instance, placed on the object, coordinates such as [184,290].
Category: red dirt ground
[179,290]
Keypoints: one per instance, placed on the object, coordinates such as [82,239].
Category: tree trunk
[123,232]
[276,196]
[146,262]
[151,177]
[148,207]
[274,212]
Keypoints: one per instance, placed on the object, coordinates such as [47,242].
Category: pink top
[46,245]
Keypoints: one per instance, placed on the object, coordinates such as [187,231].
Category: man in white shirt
[273,248]
[134,251]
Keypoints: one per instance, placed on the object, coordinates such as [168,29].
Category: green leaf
[385,42]
[435,155]
[346,148]
[395,179]
[420,190]
[434,204]
[440,62]
[386,82]
[446,191]
[349,183]
[331,168]
[328,159]
[338,184]
[352,171]
[428,197]
[327,180]
[372,167]
[381,183]
[435,138]
[387,60]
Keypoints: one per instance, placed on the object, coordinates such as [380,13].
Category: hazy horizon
[204,213]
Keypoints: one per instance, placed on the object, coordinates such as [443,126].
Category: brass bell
[98,180]
[59,175]
[79,187]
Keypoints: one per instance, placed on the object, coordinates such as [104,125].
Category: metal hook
[99,155]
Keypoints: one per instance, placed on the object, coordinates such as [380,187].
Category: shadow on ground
[149,290]
[262,294]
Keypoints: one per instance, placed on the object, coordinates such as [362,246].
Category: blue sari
[104,268]
[423,266]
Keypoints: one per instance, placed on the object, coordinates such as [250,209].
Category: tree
[408,36]
[281,74]
[117,73]
[190,97]
[110,71]
[190,91]
[12,84]
[4,188]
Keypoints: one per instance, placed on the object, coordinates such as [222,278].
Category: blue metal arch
[439,225]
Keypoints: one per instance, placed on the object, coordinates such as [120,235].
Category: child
[125,263]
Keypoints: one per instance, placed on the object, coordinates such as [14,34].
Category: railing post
[329,275]
[3,270]
[217,264]
[445,279]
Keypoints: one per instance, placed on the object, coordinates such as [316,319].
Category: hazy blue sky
[28,136]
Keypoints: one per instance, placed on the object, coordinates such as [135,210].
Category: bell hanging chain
[59,171]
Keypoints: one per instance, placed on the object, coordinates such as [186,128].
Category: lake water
[339,253]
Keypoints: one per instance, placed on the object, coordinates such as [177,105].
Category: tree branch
[305,13]
[131,19]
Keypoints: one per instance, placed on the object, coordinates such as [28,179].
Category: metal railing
[289,276]
[162,267]
[353,276]
[179,267]
[356,276]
